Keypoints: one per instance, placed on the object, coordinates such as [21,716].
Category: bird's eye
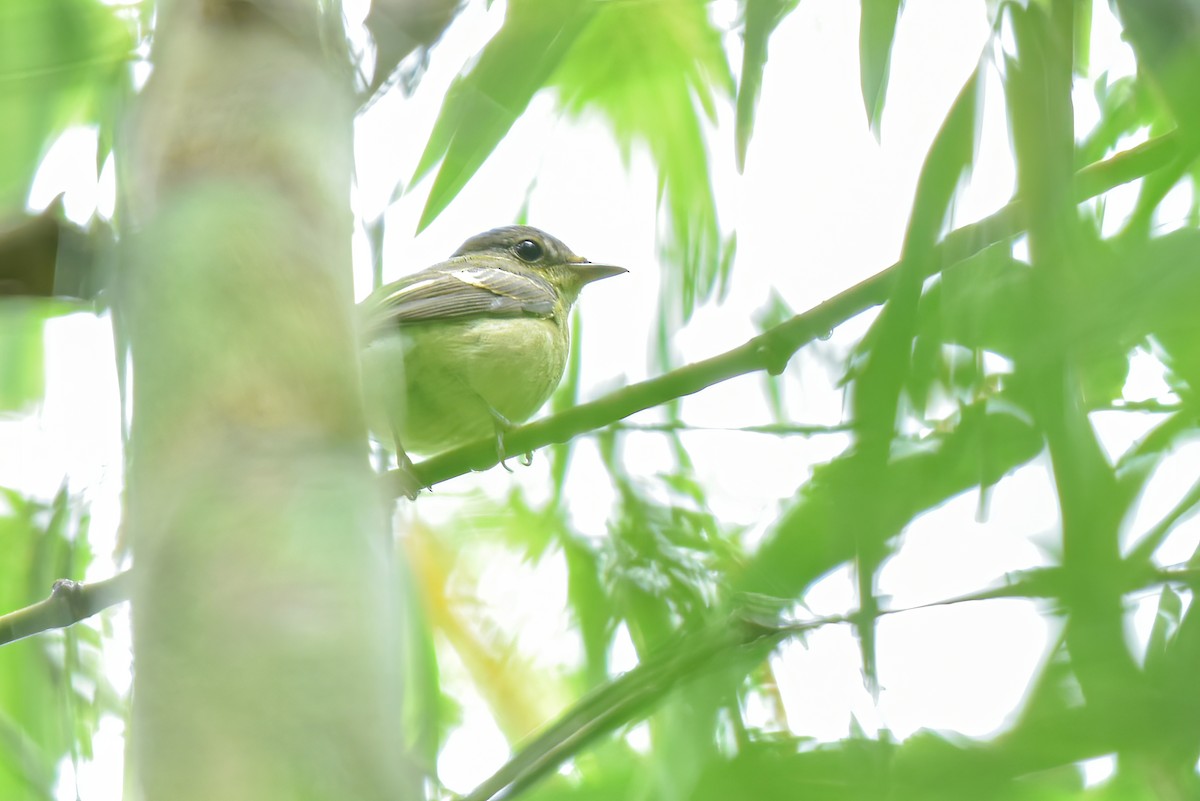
[528,250]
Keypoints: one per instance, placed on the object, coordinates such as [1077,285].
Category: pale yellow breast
[433,385]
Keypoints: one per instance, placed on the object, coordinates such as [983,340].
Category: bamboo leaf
[760,18]
[486,99]
[877,31]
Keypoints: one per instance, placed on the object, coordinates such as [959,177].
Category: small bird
[474,344]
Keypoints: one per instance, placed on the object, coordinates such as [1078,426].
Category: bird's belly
[455,375]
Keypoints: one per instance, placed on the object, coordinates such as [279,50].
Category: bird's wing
[454,292]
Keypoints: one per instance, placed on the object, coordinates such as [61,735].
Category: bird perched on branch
[473,345]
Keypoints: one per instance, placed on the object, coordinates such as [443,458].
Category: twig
[68,603]
[772,349]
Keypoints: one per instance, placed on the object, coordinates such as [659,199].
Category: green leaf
[1165,34]
[484,101]
[52,686]
[877,30]
[22,377]
[591,606]
[876,397]
[760,18]
[1083,36]
[60,60]
[807,542]
[654,71]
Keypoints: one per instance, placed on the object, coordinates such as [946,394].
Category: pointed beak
[588,272]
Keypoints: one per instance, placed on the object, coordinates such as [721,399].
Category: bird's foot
[500,425]
[407,482]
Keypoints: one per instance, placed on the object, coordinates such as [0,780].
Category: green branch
[772,349]
[68,603]
[755,625]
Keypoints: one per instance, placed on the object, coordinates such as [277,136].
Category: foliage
[1049,286]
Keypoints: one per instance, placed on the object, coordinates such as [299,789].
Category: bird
[473,345]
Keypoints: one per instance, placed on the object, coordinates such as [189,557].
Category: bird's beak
[588,272]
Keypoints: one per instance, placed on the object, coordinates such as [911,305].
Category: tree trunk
[265,613]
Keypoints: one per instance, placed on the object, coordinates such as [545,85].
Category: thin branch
[772,349]
[68,603]
[630,696]
[774,429]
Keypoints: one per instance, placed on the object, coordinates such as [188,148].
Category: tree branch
[755,621]
[68,603]
[772,349]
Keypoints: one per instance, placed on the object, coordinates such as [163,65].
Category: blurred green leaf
[652,69]
[486,99]
[666,563]
[1165,34]
[566,396]
[22,356]
[60,64]
[877,29]
[805,543]
[790,768]
[52,686]
[760,18]
[877,390]
[591,606]
[1125,106]
[1083,37]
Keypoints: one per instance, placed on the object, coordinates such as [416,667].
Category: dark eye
[528,250]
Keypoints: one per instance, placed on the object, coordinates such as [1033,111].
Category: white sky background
[821,206]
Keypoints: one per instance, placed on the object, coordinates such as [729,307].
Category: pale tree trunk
[264,601]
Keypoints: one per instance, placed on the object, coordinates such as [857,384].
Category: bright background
[815,181]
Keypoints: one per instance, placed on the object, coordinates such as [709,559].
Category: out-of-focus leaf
[981,302]
[591,605]
[485,101]
[790,768]
[520,695]
[806,542]
[424,713]
[760,18]
[1171,658]
[1166,625]
[1038,83]
[22,377]
[58,59]
[1083,37]
[877,390]
[665,566]
[731,644]
[1125,106]
[877,29]
[1165,34]
[1134,290]
[566,396]
[400,27]
[528,530]
[652,69]
[889,340]
[52,686]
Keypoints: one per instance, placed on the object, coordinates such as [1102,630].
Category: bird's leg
[500,425]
